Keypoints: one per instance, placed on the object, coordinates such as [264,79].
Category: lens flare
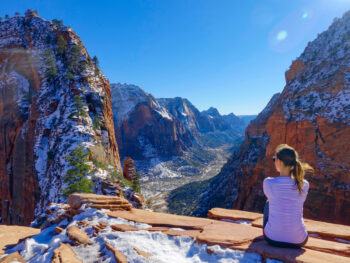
[282,35]
[305,15]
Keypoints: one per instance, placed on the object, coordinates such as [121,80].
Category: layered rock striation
[144,128]
[52,95]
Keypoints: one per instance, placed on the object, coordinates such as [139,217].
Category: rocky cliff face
[312,114]
[147,127]
[144,128]
[183,110]
[216,128]
[46,74]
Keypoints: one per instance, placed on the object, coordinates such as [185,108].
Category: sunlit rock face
[147,127]
[144,128]
[312,114]
[43,68]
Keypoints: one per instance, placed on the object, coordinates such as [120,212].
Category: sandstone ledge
[11,235]
[98,201]
[323,229]
[235,236]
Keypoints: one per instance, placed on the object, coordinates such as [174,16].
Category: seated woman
[283,223]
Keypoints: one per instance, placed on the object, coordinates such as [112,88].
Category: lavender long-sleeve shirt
[285,222]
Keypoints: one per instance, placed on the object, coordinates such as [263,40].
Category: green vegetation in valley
[185,199]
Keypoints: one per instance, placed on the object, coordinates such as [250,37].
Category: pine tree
[75,177]
[78,102]
[97,65]
[97,122]
[136,182]
[95,60]
[61,45]
[51,71]
[57,22]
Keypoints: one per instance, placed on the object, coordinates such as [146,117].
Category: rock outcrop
[12,235]
[98,201]
[312,114]
[52,95]
[243,236]
[93,233]
[149,127]
[65,254]
[224,128]
[144,128]
[129,168]
[78,236]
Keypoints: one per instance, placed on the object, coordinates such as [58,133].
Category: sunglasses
[274,158]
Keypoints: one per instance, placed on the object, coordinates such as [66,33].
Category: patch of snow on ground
[162,247]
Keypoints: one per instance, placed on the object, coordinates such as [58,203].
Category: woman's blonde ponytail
[299,173]
[290,157]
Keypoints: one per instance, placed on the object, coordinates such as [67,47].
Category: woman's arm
[266,187]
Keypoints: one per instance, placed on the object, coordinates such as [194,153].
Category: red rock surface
[11,235]
[78,236]
[129,168]
[139,199]
[19,191]
[324,200]
[99,201]
[119,256]
[146,122]
[221,213]
[238,236]
[311,114]
[142,253]
[12,258]
[323,229]
[65,254]
[295,68]
[27,103]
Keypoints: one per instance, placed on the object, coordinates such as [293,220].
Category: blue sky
[231,55]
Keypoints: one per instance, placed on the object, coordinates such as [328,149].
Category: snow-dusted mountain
[170,140]
[125,99]
[52,95]
[148,128]
[144,128]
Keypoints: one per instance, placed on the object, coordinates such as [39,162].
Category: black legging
[278,243]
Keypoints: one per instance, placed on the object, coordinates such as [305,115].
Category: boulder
[98,201]
[142,253]
[129,168]
[65,254]
[119,256]
[124,228]
[78,236]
